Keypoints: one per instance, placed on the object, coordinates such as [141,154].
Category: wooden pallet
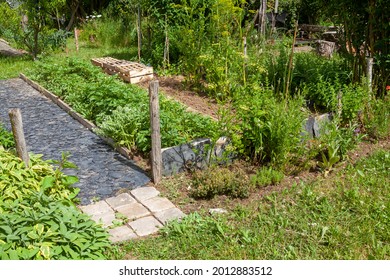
[131,72]
[134,72]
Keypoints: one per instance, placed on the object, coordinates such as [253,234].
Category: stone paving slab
[122,233]
[157,204]
[145,226]
[143,218]
[121,200]
[134,211]
[145,193]
[169,215]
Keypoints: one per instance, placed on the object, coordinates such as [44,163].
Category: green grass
[10,67]
[343,217]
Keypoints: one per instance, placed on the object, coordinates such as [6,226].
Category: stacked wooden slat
[131,72]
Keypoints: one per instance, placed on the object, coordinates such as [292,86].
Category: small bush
[266,176]
[6,138]
[267,129]
[216,180]
[376,119]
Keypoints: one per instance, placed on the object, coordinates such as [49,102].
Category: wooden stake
[17,130]
[76,39]
[370,63]
[156,158]
[290,63]
[139,33]
[245,59]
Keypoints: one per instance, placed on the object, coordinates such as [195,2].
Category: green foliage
[376,118]
[38,218]
[216,180]
[266,176]
[346,217]
[121,111]
[335,142]
[6,138]
[266,129]
[9,22]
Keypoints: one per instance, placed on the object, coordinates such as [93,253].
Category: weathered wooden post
[76,39]
[339,103]
[245,59]
[17,130]
[370,63]
[139,33]
[156,158]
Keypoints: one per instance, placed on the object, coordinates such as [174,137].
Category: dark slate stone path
[50,131]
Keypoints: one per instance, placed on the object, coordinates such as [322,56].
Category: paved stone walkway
[136,214]
[104,175]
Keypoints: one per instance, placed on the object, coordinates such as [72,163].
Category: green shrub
[6,138]
[376,118]
[38,219]
[266,129]
[220,181]
[266,176]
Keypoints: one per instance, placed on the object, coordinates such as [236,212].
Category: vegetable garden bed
[119,111]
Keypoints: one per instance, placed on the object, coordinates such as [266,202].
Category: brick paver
[144,210]
[145,226]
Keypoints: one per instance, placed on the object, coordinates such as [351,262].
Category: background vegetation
[265,96]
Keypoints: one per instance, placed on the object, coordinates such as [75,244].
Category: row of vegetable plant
[120,110]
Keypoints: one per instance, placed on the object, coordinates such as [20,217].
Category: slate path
[50,131]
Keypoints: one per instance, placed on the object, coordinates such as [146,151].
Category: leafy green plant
[220,181]
[6,138]
[120,110]
[330,158]
[268,129]
[376,118]
[266,176]
[38,217]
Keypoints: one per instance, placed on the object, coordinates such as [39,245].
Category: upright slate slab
[196,154]
[185,156]
[315,125]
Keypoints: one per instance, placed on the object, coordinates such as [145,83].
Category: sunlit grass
[344,217]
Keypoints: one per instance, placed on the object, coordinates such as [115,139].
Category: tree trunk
[262,15]
[74,8]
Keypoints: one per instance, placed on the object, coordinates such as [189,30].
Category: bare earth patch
[174,87]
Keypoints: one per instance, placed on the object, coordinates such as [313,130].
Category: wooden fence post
[76,39]
[139,33]
[17,130]
[370,63]
[156,158]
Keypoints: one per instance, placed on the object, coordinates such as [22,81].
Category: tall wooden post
[17,130]
[370,63]
[245,59]
[76,39]
[156,158]
[262,18]
[139,33]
